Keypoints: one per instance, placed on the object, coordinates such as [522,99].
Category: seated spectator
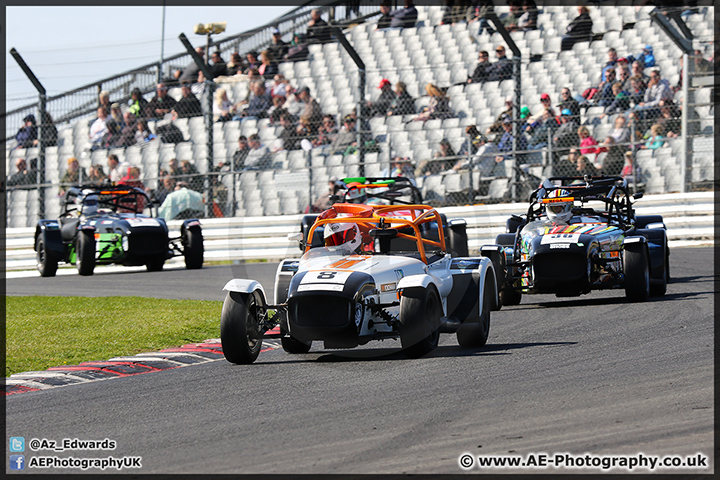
[587,142]
[636,93]
[252,61]
[189,105]
[189,174]
[277,109]
[585,167]
[168,131]
[182,199]
[346,137]
[528,19]
[98,129]
[658,90]
[22,175]
[614,159]
[621,134]
[142,132]
[544,130]
[235,65]
[655,139]
[566,136]
[403,103]
[278,48]
[50,133]
[174,168]
[479,13]
[223,108]
[611,63]
[623,74]
[73,176]
[443,159]
[325,200]
[326,132]
[605,97]
[385,18]
[318,31]
[380,107]
[568,102]
[505,148]
[510,21]
[268,66]
[132,179]
[473,141]
[258,158]
[161,104]
[508,112]
[259,104]
[190,72]
[298,50]
[579,30]
[669,119]
[402,167]
[27,134]
[404,17]
[166,185]
[127,134]
[701,64]
[566,165]
[116,168]
[439,104]
[289,138]
[454,11]
[646,57]
[311,109]
[137,103]
[621,102]
[631,172]
[218,68]
[198,88]
[97,175]
[104,99]
[293,104]
[241,153]
[637,70]
[482,69]
[280,86]
[114,133]
[502,69]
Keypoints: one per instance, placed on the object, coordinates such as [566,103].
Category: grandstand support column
[41,129]
[337,32]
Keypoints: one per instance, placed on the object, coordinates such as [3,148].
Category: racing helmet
[355,194]
[345,234]
[90,205]
[559,211]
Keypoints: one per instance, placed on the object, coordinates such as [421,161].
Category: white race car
[383,272]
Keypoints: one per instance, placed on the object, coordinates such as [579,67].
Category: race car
[100,225]
[581,234]
[381,272]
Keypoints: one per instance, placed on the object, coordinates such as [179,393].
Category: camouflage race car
[102,225]
[582,234]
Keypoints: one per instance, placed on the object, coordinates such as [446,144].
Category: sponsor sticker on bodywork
[143,222]
[325,276]
[388,287]
[560,238]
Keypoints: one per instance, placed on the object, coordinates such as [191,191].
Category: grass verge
[43,332]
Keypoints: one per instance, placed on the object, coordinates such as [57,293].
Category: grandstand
[429,53]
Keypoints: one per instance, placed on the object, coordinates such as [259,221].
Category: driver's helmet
[559,211]
[346,234]
[90,205]
[355,194]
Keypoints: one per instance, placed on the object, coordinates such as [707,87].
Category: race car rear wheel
[637,273]
[193,248]
[292,345]
[475,334]
[420,313]
[509,296]
[46,264]
[85,252]
[155,265]
[240,333]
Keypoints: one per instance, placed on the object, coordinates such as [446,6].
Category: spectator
[579,30]
[223,108]
[142,132]
[502,69]
[182,203]
[50,133]
[566,136]
[381,106]
[174,168]
[611,63]
[311,109]
[544,129]
[98,129]
[385,18]
[479,13]
[268,67]
[454,11]
[701,65]
[443,159]
[117,169]
[104,101]
[402,167]
[623,75]
[280,86]
[241,153]
[22,176]
[508,112]
[614,159]
[482,69]
[259,104]
[298,50]
[198,88]
[545,100]
[656,139]
[631,172]
[621,134]
[127,134]
[138,104]
[289,138]
[510,22]
[473,141]
[277,110]
[189,105]
[327,132]
[346,137]
[318,30]
[278,48]
[166,186]
[621,102]
[646,57]
[190,72]
[403,103]
[97,175]
[585,167]
[73,176]
[168,131]
[587,142]
[636,93]
[566,165]
[669,119]
[116,115]
[404,17]
[218,68]
[252,61]
[568,102]
[325,200]
[132,179]
[235,65]
[190,175]
[114,133]
[504,147]
[27,135]
[658,91]
[293,104]
[439,104]
[605,97]
[528,19]
[639,71]
[258,158]
[161,104]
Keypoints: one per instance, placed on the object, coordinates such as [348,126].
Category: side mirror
[637,196]
[296,237]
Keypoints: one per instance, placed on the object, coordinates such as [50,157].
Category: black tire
[420,312]
[475,334]
[458,241]
[85,252]
[510,296]
[239,328]
[637,274]
[155,265]
[193,248]
[292,345]
[658,288]
[47,265]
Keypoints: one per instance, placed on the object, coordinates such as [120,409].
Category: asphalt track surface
[589,375]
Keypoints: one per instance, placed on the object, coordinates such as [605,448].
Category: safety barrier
[689,219]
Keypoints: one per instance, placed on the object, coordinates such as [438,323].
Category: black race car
[100,225]
[582,234]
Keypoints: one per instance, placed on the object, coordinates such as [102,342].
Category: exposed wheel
[658,288]
[240,333]
[193,248]
[420,313]
[85,252]
[155,265]
[46,264]
[292,345]
[637,274]
[458,241]
[475,334]
[509,296]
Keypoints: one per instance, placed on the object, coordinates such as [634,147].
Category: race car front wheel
[46,264]
[420,313]
[85,252]
[193,248]
[240,332]
[475,334]
[637,273]
[293,345]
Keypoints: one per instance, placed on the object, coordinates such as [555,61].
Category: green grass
[43,332]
